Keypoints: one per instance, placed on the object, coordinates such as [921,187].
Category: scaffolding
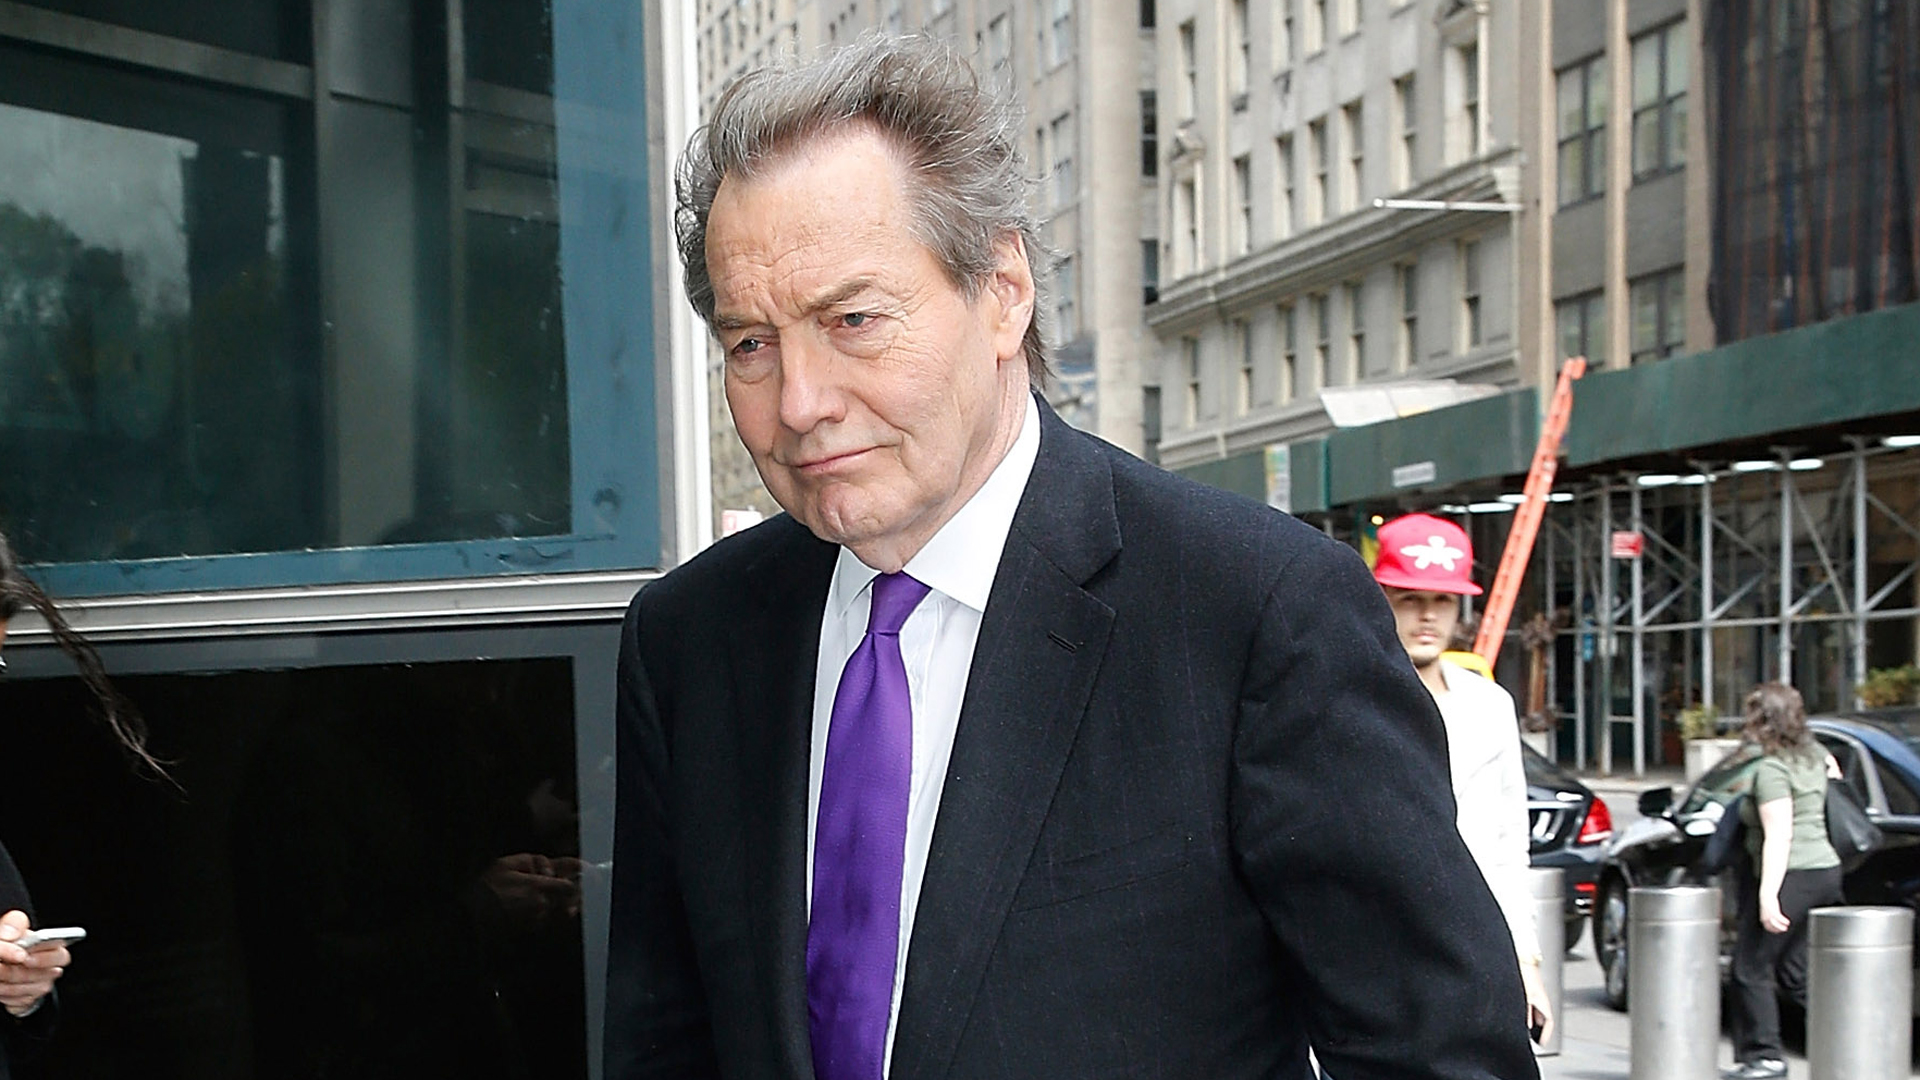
[1798,568]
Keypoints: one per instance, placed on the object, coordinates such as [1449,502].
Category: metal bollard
[1673,982]
[1859,992]
[1549,887]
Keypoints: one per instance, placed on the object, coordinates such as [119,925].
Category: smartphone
[63,935]
[1537,1028]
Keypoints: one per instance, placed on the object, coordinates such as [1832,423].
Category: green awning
[1476,440]
[1253,473]
[1843,371]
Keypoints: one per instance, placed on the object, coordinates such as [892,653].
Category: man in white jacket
[1426,566]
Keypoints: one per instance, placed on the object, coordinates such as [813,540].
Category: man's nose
[810,370]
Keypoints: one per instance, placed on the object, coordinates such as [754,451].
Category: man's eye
[855,319]
[748,346]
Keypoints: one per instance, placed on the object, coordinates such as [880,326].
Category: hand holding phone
[50,935]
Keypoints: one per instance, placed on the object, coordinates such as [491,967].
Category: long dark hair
[17,593]
[1777,720]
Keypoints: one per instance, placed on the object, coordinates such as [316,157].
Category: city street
[1595,1039]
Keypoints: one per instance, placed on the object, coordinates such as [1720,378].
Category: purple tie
[860,846]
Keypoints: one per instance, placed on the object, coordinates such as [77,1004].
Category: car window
[1732,777]
[1853,766]
[1900,798]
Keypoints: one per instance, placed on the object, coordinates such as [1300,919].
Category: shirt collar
[961,559]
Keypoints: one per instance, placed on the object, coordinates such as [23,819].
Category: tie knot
[894,598]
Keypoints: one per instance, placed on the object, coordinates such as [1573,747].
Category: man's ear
[1010,287]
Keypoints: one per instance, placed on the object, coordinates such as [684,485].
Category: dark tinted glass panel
[281,29]
[368,872]
[228,328]
[159,388]
[510,42]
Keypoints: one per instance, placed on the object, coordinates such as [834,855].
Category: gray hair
[959,141]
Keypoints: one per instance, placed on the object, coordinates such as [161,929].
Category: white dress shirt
[957,565]
[1490,792]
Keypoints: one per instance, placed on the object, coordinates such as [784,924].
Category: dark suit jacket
[1197,815]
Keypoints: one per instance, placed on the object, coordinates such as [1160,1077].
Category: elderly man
[1002,753]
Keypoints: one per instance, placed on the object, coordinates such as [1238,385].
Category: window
[1242,205]
[1356,330]
[1660,101]
[1189,72]
[941,7]
[1659,310]
[1242,54]
[1149,135]
[1466,117]
[1066,290]
[1407,106]
[999,43]
[1582,322]
[1061,136]
[1146,14]
[1346,17]
[1060,33]
[1470,331]
[1283,36]
[1150,270]
[1322,338]
[1353,136]
[896,18]
[1186,223]
[1242,334]
[1190,373]
[1314,30]
[427,765]
[1283,188]
[1317,155]
[1407,350]
[1289,353]
[1583,130]
[178,377]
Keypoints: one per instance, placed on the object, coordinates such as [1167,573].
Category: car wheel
[1574,926]
[1610,941]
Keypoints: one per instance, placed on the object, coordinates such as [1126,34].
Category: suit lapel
[1041,643]
[777,646]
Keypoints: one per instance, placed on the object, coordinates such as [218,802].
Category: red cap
[1427,553]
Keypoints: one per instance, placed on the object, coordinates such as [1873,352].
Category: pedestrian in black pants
[1791,869]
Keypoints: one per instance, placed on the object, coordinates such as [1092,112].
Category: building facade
[1714,214]
[1283,281]
[334,407]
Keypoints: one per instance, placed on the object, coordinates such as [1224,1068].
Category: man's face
[873,396]
[1425,620]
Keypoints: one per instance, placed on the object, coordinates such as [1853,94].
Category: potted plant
[1700,726]
[1888,687]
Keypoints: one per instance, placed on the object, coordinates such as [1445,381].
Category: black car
[1879,756]
[1569,828]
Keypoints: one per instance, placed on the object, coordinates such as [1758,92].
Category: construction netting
[1813,115]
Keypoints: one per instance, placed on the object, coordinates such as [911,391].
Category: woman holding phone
[27,975]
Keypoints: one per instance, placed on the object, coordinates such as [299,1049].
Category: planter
[1704,754]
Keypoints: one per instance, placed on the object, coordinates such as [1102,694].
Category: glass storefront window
[280,29]
[242,318]
[366,871]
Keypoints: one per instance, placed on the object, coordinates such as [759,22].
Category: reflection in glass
[373,872]
[154,397]
[227,326]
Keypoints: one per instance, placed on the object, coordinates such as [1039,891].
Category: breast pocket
[1058,880]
